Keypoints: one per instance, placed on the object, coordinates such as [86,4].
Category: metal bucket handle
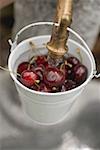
[14,44]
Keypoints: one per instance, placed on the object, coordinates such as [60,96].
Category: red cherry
[69,73]
[80,73]
[41,60]
[34,87]
[42,66]
[68,85]
[53,77]
[39,71]
[29,78]
[44,88]
[63,88]
[23,66]
[73,61]
[55,89]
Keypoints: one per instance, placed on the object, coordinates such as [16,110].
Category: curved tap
[57,45]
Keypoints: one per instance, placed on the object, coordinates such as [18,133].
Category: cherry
[41,66]
[79,73]
[55,89]
[54,77]
[41,60]
[63,88]
[43,75]
[44,88]
[68,85]
[39,71]
[73,61]
[34,87]
[29,78]
[23,66]
[68,72]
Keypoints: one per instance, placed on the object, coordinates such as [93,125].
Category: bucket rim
[44,93]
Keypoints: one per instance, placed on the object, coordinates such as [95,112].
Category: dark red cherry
[41,60]
[68,85]
[39,71]
[42,66]
[55,89]
[54,77]
[80,73]
[23,66]
[73,61]
[34,87]
[68,72]
[48,77]
[44,88]
[29,78]
[63,88]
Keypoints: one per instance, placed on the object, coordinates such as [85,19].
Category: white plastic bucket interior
[46,108]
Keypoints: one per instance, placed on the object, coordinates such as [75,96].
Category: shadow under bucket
[47,108]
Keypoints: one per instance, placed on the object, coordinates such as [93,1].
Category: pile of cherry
[39,75]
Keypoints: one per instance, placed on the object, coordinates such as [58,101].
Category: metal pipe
[57,45]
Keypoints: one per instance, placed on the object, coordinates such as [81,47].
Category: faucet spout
[57,45]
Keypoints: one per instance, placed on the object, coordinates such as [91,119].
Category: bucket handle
[14,44]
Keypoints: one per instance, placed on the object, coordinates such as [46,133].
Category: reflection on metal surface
[57,45]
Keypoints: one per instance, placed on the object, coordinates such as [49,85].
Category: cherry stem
[62,67]
[70,65]
[78,52]
[37,81]
[31,60]
[6,69]
[37,85]
[33,47]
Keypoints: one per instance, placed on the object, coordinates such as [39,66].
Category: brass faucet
[57,45]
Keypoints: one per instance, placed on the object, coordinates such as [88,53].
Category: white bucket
[47,108]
